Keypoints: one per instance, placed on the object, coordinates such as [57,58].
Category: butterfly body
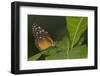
[42,39]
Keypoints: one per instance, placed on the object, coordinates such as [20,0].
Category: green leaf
[56,53]
[76,27]
[78,52]
[59,51]
[74,53]
[64,44]
[35,57]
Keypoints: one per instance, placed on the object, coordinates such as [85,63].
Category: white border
[26,65]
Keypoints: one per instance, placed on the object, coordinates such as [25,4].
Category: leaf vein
[76,32]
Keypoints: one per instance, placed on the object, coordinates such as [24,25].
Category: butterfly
[42,38]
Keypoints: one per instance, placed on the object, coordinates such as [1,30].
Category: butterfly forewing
[42,38]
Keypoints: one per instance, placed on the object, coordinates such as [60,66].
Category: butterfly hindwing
[42,39]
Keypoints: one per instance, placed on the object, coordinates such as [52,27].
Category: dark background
[55,25]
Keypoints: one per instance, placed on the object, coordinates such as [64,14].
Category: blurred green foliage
[69,34]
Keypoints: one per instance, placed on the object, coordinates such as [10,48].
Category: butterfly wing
[42,39]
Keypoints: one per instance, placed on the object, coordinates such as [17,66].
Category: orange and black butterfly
[42,38]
